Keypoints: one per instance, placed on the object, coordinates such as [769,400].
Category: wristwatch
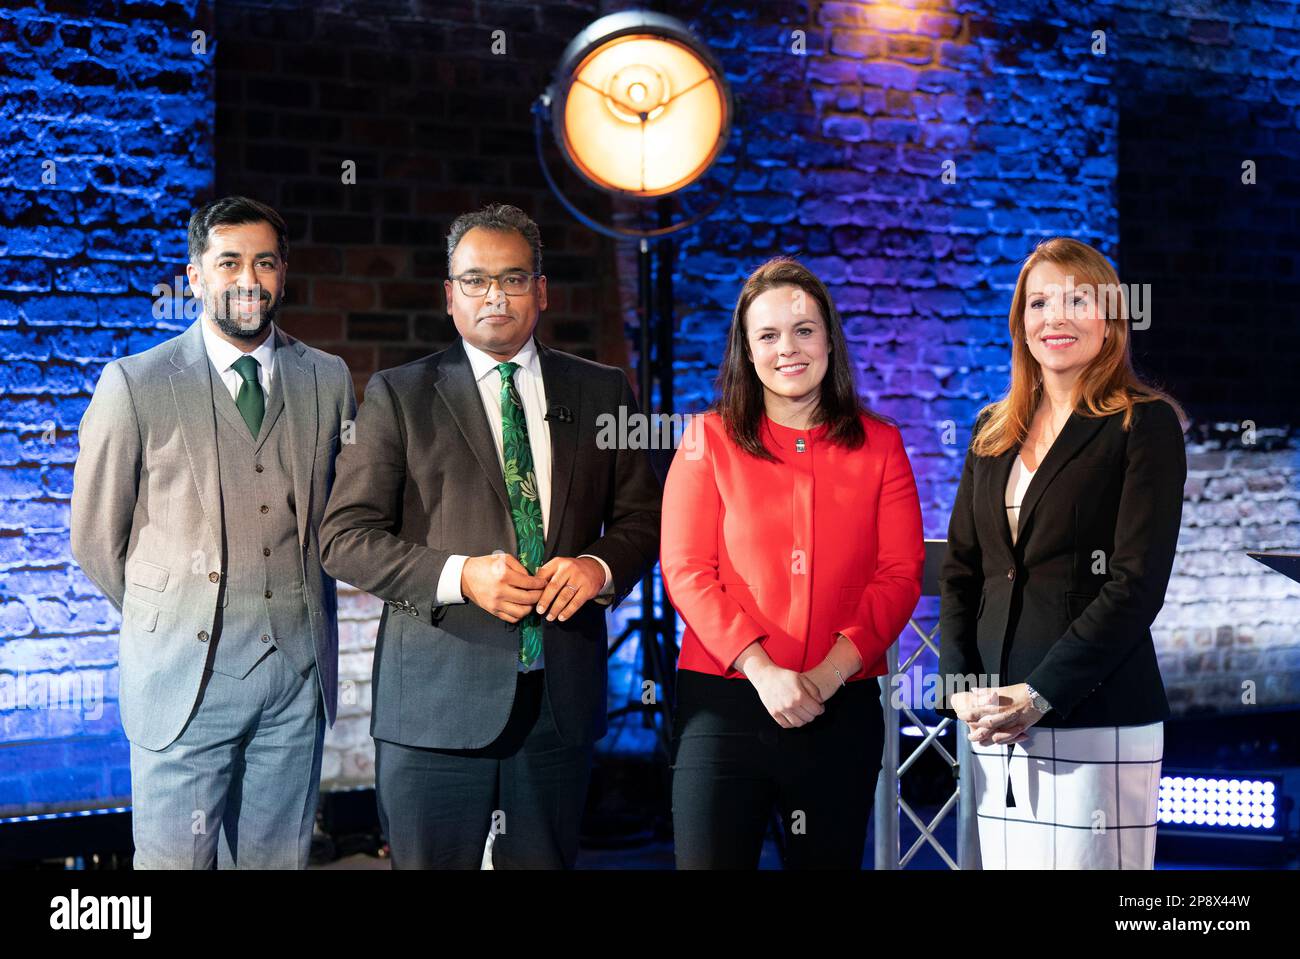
[1036,700]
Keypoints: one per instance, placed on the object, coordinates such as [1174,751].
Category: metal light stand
[656,253]
[656,626]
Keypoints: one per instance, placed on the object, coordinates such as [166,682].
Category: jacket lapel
[296,374]
[192,391]
[561,390]
[1075,434]
[458,390]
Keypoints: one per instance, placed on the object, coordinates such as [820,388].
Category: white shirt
[1017,483]
[532,392]
[223,356]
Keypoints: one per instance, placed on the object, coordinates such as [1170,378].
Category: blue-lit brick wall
[1125,124]
[847,144]
[1205,90]
[1138,150]
[105,145]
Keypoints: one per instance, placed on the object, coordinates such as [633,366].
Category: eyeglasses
[512,282]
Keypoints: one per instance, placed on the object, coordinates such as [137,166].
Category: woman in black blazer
[1060,546]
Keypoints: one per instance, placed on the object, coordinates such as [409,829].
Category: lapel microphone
[560,413]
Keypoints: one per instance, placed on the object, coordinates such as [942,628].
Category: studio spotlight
[640,109]
[639,106]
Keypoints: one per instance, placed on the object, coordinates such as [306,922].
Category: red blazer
[828,541]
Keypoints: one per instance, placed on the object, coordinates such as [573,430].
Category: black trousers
[733,764]
[528,787]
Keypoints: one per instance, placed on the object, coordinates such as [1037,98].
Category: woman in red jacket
[791,546]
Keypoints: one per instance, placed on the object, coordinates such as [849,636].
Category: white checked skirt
[1070,798]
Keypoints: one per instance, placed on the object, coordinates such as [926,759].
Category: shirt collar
[223,354]
[482,364]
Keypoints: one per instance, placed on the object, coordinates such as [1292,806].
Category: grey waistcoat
[262,604]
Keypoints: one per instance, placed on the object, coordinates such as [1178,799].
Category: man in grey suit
[205,466]
[478,504]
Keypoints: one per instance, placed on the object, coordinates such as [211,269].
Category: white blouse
[1017,483]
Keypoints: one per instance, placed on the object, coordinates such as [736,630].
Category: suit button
[1011,573]
[203,635]
[258,467]
[268,594]
[266,639]
[264,509]
[266,551]
[214,577]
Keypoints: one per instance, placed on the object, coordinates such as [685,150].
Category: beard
[231,322]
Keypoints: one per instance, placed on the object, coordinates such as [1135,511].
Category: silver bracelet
[838,674]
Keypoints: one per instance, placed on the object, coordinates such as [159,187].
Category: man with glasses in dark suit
[477,503]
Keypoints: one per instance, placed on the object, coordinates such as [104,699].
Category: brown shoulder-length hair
[1107,385]
[739,390]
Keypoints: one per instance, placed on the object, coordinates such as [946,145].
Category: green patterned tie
[250,402]
[525,507]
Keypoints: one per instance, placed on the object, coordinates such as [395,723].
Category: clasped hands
[996,715]
[502,585]
[794,698]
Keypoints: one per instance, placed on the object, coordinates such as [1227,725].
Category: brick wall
[105,140]
[1204,88]
[436,123]
[848,126]
[349,759]
[846,146]
[1228,635]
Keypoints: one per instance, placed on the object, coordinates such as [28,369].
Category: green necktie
[525,507]
[250,402]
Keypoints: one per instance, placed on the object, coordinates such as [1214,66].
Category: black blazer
[1068,609]
[422,482]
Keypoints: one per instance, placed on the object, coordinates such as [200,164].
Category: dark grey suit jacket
[422,482]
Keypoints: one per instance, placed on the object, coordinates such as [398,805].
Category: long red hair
[1109,384]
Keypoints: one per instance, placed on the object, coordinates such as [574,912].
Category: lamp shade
[639,105]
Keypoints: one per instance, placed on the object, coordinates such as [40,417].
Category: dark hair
[740,392]
[232,211]
[503,218]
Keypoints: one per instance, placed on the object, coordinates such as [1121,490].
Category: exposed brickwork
[1203,88]
[847,126]
[436,123]
[106,142]
[846,145]
[1228,637]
